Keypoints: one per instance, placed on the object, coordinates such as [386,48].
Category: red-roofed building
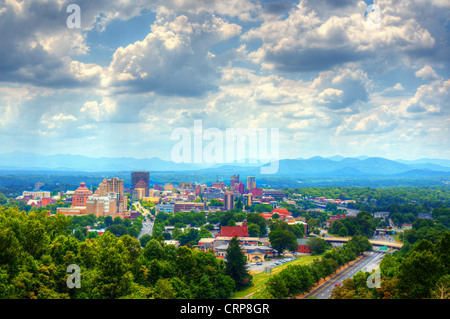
[266,216]
[282,212]
[231,231]
[47,201]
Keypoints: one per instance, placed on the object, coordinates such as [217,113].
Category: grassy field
[260,278]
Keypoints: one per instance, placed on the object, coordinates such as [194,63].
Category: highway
[367,263]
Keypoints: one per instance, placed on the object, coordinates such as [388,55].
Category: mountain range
[336,166]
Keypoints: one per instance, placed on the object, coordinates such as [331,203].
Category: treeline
[298,279]
[363,224]
[420,271]
[36,250]
[432,196]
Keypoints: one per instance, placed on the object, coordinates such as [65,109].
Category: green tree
[231,223]
[343,232]
[253,230]
[236,264]
[255,218]
[108,221]
[282,239]
[418,274]
[317,245]
[117,229]
[144,239]
[153,250]
[3,199]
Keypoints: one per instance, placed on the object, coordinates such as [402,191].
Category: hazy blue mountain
[338,166]
[335,158]
[26,160]
[435,161]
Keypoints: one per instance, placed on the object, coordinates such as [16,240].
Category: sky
[342,77]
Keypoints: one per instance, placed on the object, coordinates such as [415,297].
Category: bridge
[373,242]
[387,231]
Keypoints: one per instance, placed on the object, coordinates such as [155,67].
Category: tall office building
[110,185]
[229,200]
[247,199]
[239,188]
[251,182]
[234,180]
[140,176]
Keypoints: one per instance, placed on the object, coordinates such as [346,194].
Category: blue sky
[331,78]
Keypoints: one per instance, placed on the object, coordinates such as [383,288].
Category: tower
[136,177]
[229,200]
[251,182]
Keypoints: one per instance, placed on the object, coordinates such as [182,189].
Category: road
[147,228]
[369,262]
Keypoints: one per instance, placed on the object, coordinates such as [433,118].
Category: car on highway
[337,284]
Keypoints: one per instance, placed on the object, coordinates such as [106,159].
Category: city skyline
[335,78]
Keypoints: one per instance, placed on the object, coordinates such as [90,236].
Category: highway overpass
[373,242]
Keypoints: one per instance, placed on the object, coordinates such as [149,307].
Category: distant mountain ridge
[338,166]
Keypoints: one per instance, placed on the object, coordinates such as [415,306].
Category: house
[176,243]
[381,215]
[303,245]
[206,244]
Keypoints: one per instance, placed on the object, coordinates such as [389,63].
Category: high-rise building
[110,185]
[251,182]
[239,188]
[138,176]
[229,200]
[234,180]
[247,199]
[81,195]
[139,191]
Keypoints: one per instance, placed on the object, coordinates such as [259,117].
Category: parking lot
[264,264]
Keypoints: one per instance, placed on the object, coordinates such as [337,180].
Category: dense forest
[36,250]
